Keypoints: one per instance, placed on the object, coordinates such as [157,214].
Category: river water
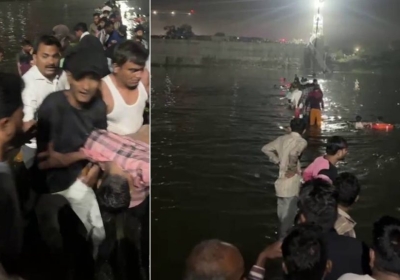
[25,19]
[209,177]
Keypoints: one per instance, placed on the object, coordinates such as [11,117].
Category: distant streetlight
[140,9]
[189,14]
[357,50]
[154,12]
[172,13]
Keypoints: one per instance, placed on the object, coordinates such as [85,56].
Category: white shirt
[125,119]
[359,125]
[280,151]
[84,34]
[296,95]
[37,88]
[351,276]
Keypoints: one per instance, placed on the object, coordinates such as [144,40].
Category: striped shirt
[131,155]
[256,273]
[285,151]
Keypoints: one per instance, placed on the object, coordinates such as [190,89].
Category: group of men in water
[307,99]
[79,132]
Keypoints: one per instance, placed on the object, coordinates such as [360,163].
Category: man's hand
[271,252]
[90,175]
[51,159]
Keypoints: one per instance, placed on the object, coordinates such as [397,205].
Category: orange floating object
[382,126]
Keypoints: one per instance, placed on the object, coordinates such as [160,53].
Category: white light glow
[154,12]
[189,14]
[172,13]
[319,3]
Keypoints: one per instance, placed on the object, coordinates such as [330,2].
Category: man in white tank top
[125,91]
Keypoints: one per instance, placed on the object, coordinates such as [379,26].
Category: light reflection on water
[209,177]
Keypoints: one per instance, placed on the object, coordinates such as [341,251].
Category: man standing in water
[42,79]
[316,103]
[324,167]
[125,91]
[285,152]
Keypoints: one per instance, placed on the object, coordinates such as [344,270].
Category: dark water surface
[26,19]
[209,177]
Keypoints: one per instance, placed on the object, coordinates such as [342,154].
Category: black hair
[130,51]
[25,42]
[315,81]
[305,252]
[47,40]
[298,125]
[380,119]
[96,15]
[139,28]
[81,26]
[318,202]
[113,194]
[348,188]
[335,144]
[11,87]
[108,23]
[358,118]
[386,245]
[112,16]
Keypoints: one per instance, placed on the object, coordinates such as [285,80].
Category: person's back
[385,252]
[318,204]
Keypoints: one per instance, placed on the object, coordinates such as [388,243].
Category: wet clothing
[68,128]
[320,168]
[315,117]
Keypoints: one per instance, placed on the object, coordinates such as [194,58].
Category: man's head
[109,26]
[305,253]
[96,18]
[11,113]
[337,147]
[385,253]
[139,31]
[79,29]
[46,55]
[85,69]
[102,23]
[113,18]
[26,46]
[129,61]
[318,204]
[1,54]
[348,189]
[113,194]
[214,259]
[358,118]
[298,125]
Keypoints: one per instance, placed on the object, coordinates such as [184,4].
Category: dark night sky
[346,22]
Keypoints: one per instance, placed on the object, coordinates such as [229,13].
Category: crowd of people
[74,148]
[317,236]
